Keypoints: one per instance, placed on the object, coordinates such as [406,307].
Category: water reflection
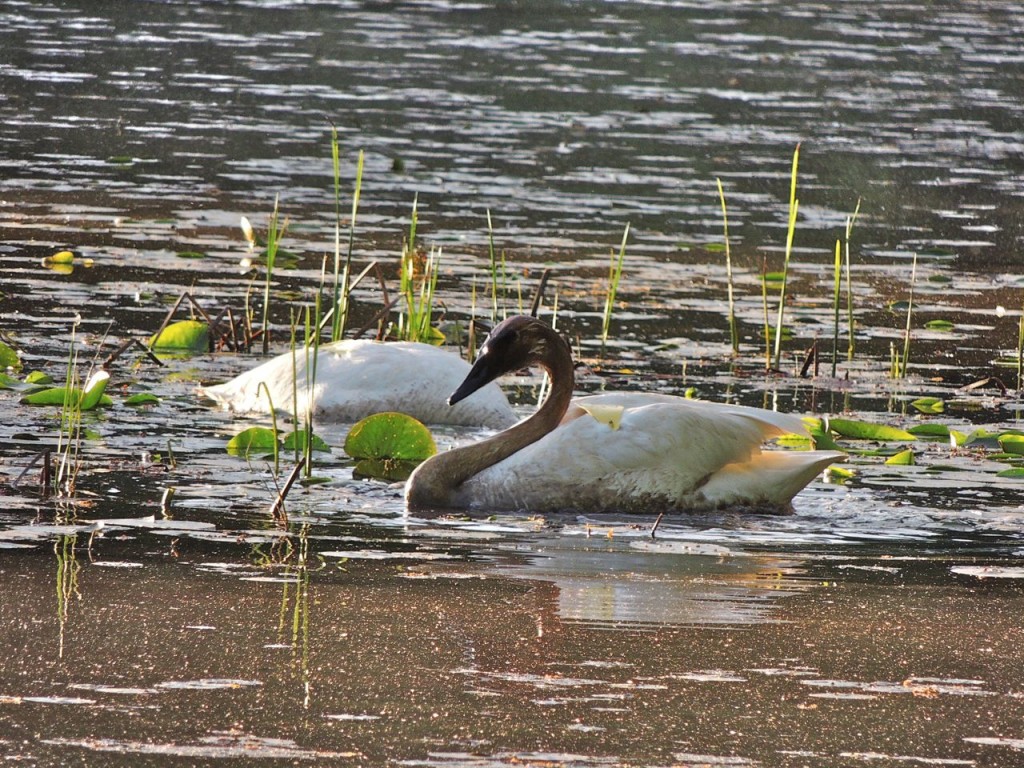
[659,584]
[877,623]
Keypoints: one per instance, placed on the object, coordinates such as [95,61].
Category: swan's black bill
[483,372]
[508,348]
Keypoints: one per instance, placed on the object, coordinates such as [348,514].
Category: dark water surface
[878,625]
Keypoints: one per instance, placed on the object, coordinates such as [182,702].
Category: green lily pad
[9,382]
[929,404]
[390,435]
[1011,443]
[183,336]
[903,458]
[822,438]
[837,472]
[94,388]
[296,441]
[259,440]
[939,325]
[1017,472]
[863,430]
[142,398]
[88,398]
[9,358]
[38,378]
[930,429]
[191,255]
[980,436]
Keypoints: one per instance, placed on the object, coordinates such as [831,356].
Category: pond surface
[880,624]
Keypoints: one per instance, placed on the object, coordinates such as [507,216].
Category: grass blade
[790,232]
[733,331]
[614,277]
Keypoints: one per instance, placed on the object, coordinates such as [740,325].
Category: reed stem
[794,205]
[733,330]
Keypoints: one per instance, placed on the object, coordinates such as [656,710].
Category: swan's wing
[662,451]
[356,378]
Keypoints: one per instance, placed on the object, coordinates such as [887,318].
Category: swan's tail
[772,477]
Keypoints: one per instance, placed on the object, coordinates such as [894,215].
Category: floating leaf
[296,441]
[773,277]
[9,358]
[836,472]
[390,435]
[142,398]
[89,398]
[981,436]
[1017,472]
[939,325]
[864,430]
[9,382]
[185,335]
[94,388]
[903,458]
[61,257]
[252,440]
[1012,443]
[929,405]
[191,255]
[930,430]
[38,378]
[822,439]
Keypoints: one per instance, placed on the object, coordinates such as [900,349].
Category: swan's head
[515,343]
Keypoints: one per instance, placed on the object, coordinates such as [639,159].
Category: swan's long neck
[435,482]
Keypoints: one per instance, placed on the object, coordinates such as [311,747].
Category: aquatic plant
[849,283]
[794,205]
[614,278]
[496,272]
[836,290]
[389,445]
[899,368]
[734,336]
[274,234]
[342,274]
[417,287]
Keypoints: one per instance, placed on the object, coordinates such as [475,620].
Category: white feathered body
[636,452]
[357,378]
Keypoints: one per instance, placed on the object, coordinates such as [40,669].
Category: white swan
[627,452]
[357,378]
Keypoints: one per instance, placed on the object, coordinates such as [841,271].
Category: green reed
[275,231]
[614,278]
[1020,351]
[343,273]
[898,366]
[764,308]
[734,335]
[418,286]
[836,292]
[794,205]
[849,283]
[497,272]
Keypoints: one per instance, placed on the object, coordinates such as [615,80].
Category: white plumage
[665,452]
[628,452]
[357,378]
